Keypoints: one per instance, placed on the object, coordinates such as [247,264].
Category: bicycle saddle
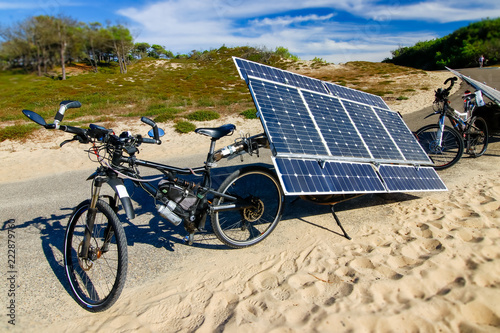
[217,132]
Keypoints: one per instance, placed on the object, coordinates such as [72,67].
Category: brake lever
[67,141]
[75,138]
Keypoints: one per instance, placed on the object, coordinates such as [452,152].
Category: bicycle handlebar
[441,94]
[99,133]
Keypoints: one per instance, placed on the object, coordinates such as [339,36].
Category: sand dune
[429,264]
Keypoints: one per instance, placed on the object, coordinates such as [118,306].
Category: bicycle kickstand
[338,222]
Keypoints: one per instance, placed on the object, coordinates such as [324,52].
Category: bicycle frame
[107,175]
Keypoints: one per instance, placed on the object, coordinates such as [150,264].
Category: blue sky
[337,31]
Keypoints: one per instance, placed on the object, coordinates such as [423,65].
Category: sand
[427,262]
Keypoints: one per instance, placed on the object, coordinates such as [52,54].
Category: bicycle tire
[476,137]
[452,145]
[96,284]
[249,226]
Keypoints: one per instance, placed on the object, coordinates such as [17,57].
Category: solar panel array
[488,91]
[329,139]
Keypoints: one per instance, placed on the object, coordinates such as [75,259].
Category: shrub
[203,115]
[402,98]
[249,114]
[16,131]
[184,127]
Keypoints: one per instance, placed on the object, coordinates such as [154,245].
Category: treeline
[39,43]
[460,49]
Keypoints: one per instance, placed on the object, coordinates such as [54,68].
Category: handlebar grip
[63,106]
[148,121]
[453,80]
[156,133]
[74,130]
[148,140]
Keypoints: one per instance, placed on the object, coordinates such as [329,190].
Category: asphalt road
[41,207]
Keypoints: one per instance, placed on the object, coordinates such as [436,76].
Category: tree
[122,42]
[157,51]
[65,28]
[141,49]
[93,41]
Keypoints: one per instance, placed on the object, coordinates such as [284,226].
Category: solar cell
[356,95]
[248,68]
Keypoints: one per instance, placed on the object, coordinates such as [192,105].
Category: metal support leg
[338,222]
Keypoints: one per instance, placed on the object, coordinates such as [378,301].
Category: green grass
[167,90]
[17,132]
[203,115]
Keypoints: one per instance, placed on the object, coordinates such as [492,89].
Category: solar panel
[303,176]
[402,136]
[289,127]
[373,132]
[248,68]
[404,178]
[488,91]
[334,123]
[329,139]
[356,95]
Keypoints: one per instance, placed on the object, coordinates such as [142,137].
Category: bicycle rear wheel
[97,281]
[448,153]
[476,137]
[245,227]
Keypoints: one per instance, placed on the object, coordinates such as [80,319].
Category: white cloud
[289,20]
[182,26]
[437,11]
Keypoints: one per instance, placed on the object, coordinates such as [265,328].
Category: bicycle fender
[117,186]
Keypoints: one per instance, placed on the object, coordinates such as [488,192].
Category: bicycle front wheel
[476,137]
[446,154]
[98,279]
[248,226]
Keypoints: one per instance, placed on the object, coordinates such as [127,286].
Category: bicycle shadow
[151,229]
[52,237]
[304,210]
[161,233]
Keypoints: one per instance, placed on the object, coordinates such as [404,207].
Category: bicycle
[244,210]
[445,144]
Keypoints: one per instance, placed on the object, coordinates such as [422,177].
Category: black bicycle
[444,144]
[244,210]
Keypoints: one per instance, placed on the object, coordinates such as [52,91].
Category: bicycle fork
[440,132]
[89,223]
